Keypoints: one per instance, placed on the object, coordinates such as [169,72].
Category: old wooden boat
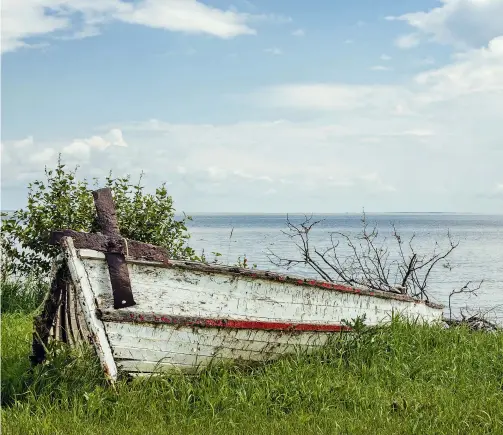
[144,312]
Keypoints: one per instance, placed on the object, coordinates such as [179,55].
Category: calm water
[478,256]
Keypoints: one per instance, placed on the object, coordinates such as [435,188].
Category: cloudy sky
[261,105]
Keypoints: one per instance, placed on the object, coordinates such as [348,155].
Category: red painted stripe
[278,326]
[225,323]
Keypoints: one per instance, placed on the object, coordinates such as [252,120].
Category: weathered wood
[178,292]
[83,288]
[236,272]
[186,337]
[189,315]
[109,226]
[45,322]
[83,334]
[106,214]
[112,244]
[153,318]
[206,345]
[147,348]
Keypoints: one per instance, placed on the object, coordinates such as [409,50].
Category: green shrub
[62,201]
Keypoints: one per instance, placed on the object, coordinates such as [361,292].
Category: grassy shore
[399,379]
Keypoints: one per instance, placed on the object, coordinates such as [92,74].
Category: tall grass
[22,295]
[399,379]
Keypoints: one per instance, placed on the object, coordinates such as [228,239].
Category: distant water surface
[478,256]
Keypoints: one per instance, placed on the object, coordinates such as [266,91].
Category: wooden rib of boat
[144,313]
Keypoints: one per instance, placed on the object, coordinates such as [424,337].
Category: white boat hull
[188,316]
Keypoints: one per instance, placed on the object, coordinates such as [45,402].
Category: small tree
[62,201]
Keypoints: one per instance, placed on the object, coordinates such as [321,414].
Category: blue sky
[261,106]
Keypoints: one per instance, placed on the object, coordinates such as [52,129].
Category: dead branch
[370,262]
[468,288]
[299,232]
[475,320]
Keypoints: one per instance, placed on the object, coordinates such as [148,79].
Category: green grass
[22,295]
[400,379]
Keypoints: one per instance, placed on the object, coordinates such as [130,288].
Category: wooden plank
[44,324]
[84,290]
[75,334]
[114,244]
[166,353]
[122,292]
[259,275]
[68,318]
[149,367]
[211,336]
[106,213]
[168,292]
[187,348]
[84,334]
[117,268]
[135,347]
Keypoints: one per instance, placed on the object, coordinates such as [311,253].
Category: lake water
[478,256]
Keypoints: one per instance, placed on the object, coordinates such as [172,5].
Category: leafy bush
[62,201]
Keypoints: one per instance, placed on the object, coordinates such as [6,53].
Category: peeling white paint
[187,293]
[84,288]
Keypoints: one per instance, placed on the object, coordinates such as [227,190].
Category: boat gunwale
[258,274]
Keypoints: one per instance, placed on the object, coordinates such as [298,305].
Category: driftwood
[474,323]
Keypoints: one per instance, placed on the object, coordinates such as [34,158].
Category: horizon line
[299,213]
[338,214]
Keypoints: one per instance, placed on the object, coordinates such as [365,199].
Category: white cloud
[186,16]
[299,32]
[426,61]
[348,41]
[467,23]
[473,72]
[376,182]
[82,148]
[45,156]
[23,142]
[380,68]
[407,41]
[365,158]
[274,51]
[385,57]
[22,20]
[406,146]
[330,96]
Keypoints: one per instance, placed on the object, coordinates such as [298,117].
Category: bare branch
[370,262]
[466,289]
